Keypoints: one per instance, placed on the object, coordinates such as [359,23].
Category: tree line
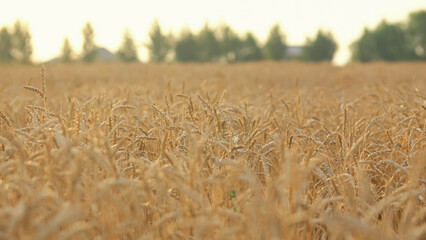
[220,44]
[386,42]
[393,41]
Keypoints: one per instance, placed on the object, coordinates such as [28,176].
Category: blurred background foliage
[404,41]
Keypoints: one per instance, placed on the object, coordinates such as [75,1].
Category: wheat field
[209,151]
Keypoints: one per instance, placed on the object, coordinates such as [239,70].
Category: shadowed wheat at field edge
[245,151]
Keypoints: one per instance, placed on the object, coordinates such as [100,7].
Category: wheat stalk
[6,119]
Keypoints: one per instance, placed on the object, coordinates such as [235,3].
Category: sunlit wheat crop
[209,151]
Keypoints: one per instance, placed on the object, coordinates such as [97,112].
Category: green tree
[275,45]
[21,43]
[365,48]
[250,50]
[322,48]
[392,43]
[128,51]
[66,51]
[416,29]
[387,42]
[186,47]
[208,45]
[159,46]
[89,47]
[229,44]
[5,45]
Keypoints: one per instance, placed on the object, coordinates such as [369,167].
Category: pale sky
[50,21]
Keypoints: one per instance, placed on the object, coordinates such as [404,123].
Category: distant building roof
[293,51]
[104,55]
